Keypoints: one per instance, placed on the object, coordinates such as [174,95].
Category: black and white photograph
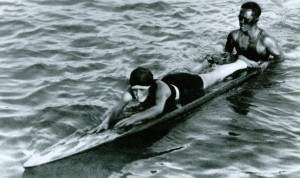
[149,89]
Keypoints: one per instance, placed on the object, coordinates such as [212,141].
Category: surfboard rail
[77,143]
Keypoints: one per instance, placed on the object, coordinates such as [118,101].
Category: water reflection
[242,100]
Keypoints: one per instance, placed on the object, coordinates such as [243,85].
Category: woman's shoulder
[162,87]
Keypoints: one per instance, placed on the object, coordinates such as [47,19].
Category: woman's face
[140,92]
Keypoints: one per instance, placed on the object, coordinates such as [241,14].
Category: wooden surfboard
[79,142]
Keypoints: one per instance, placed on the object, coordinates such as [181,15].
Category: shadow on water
[105,160]
[241,99]
[241,102]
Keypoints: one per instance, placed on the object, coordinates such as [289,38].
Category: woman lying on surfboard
[165,95]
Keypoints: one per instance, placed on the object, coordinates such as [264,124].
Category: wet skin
[244,41]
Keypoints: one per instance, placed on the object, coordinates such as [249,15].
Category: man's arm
[162,94]
[275,51]
[227,56]
[229,46]
[273,48]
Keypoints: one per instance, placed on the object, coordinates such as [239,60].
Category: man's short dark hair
[254,7]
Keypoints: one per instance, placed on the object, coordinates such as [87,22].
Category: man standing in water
[252,44]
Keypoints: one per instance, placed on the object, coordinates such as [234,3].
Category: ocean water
[64,63]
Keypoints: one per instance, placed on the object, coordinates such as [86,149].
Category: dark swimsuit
[251,52]
[190,86]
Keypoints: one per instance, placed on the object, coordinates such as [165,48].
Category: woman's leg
[221,72]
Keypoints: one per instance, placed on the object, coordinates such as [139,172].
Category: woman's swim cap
[141,76]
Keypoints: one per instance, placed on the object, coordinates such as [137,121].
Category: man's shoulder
[234,34]
[236,31]
[271,43]
[267,39]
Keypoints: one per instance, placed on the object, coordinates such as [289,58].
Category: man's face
[246,19]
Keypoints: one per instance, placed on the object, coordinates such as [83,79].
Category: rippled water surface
[64,63]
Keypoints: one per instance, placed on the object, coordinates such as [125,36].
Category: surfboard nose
[31,162]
